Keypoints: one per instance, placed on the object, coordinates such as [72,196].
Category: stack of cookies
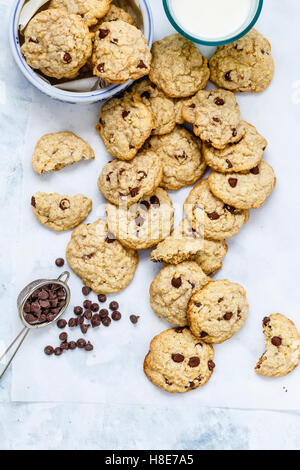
[147,131]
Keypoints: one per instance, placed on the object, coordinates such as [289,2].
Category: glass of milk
[213,22]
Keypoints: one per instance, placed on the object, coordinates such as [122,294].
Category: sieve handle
[22,335]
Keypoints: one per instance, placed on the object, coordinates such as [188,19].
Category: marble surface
[54,426]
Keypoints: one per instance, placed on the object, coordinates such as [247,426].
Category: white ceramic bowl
[62,95]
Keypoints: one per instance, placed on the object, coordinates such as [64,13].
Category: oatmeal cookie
[179,362]
[89,10]
[178,67]
[55,151]
[99,259]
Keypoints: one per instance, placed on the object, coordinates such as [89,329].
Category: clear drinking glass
[254,13]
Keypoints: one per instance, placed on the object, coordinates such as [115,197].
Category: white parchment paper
[264,258]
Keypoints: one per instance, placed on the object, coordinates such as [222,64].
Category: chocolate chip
[63,336]
[64,345]
[154,201]
[139,221]
[102,298]
[276,341]
[234,132]
[58,351]
[228,316]
[95,307]
[211,365]
[227,76]
[192,106]
[61,324]
[29,318]
[213,216]
[142,175]
[176,282]
[229,164]
[44,303]
[229,208]
[266,321]
[59,262]
[86,290]
[96,320]
[220,300]
[67,58]
[194,361]
[177,358]
[179,330]
[106,321]
[33,40]
[145,205]
[64,204]
[103,33]
[33,203]
[43,295]
[141,65]
[232,182]
[103,313]
[84,328]
[87,304]
[101,67]
[89,347]
[219,101]
[49,350]
[192,284]
[255,171]
[135,191]
[146,95]
[81,343]
[72,345]
[203,334]
[197,304]
[88,314]
[110,238]
[72,322]
[116,316]
[134,319]
[78,310]
[114,305]
[215,119]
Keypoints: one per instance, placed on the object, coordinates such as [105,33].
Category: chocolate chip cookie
[181,155]
[89,10]
[206,212]
[145,223]
[120,52]
[244,65]
[127,182]
[178,67]
[162,107]
[172,289]
[218,311]
[57,43]
[244,191]
[124,125]
[60,212]
[216,117]
[282,354]
[55,151]
[240,156]
[179,362]
[99,259]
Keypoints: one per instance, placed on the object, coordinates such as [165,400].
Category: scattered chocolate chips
[134,319]
[89,346]
[103,313]
[177,358]
[88,314]
[67,58]
[266,321]
[232,182]
[78,310]
[84,328]
[61,324]
[96,320]
[276,341]
[49,350]
[103,33]
[58,351]
[114,305]
[219,101]
[102,298]
[63,336]
[106,321]
[194,361]
[72,345]
[116,316]
[95,307]
[59,262]
[87,304]
[213,216]
[86,290]
[81,343]
[33,203]
[176,282]
[72,322]
[211,365]
[64,346]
